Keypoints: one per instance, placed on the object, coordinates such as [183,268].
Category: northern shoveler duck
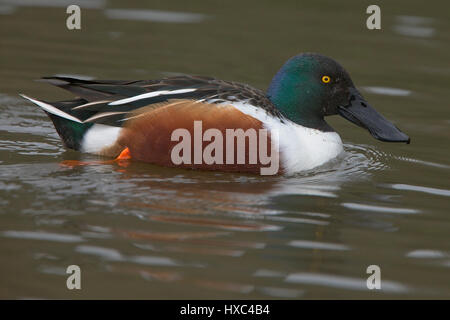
[137,119]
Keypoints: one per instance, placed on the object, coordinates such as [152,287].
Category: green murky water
[144,231]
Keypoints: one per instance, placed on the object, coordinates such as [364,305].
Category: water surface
[142,231]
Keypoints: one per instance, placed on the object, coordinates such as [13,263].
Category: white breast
[304,148]
[300,148]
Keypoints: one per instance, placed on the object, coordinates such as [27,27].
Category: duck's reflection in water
[206,219]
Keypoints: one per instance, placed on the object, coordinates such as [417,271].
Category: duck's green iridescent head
[311,86]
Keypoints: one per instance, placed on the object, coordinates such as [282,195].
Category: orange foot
[122,160]
[124,155]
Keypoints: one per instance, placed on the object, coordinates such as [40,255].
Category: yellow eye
[326,79]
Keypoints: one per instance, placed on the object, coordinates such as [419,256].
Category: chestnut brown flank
[148,133]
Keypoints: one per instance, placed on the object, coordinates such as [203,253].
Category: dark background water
[144,231]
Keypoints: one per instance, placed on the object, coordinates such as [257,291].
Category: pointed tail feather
[70,129]
[51,109]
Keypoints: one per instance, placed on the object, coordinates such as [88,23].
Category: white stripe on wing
[149,95]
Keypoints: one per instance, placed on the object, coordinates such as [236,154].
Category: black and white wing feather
[111,101]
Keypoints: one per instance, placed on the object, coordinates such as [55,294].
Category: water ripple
[155,15]
[435,191]
[46,236]
[305,244]
[376,208]
[342,282]
[426,254]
